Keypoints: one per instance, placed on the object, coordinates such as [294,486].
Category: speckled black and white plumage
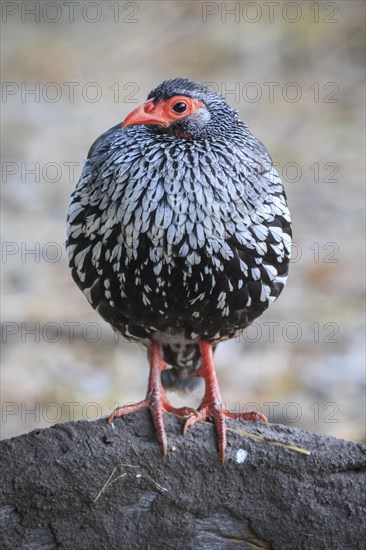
[180,239]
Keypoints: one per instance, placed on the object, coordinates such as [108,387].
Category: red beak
[148,113]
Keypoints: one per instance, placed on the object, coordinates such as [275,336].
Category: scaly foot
[212,406]
[156,399]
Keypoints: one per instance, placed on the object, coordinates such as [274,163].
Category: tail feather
[185,360]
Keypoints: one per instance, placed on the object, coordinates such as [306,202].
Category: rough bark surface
[89,485]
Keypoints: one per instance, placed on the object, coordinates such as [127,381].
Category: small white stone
[241,456]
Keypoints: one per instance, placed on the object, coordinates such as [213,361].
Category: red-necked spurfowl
[179,235]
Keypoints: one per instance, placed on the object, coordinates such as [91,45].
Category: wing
[102,142]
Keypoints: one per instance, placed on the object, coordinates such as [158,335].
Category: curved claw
[183,412]
[157,407]
[253,416]
[156,400]
[212,405]
[192,420]
[127,409]
[219,414]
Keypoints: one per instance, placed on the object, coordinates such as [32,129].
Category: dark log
[89,485]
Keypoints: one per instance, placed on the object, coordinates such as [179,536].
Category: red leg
[156,399]
[212,405]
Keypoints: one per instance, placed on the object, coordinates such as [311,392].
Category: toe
[252,416]
[157,410]
[192,420]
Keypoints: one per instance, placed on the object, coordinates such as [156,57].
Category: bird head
[185,109]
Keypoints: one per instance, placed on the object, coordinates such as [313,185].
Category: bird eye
[180,107]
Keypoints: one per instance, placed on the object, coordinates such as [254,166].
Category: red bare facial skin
[162,113]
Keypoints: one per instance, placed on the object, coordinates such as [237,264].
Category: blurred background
[295,72]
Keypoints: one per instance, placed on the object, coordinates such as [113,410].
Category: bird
[179,236]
